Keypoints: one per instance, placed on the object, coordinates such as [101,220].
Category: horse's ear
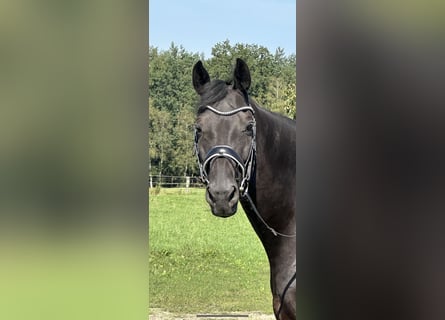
[241,75]
[200,77]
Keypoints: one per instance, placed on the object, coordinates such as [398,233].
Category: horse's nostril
[215,196]
[232,194]
[210,195]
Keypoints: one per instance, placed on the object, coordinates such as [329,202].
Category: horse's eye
[198,132]
[249,129]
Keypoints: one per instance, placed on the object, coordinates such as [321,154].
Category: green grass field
[199,263]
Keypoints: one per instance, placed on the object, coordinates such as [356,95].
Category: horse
[247,154]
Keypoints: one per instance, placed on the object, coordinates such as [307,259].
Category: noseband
[225,151]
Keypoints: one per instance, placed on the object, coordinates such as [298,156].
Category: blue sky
[198,25]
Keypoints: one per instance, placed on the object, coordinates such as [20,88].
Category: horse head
[224,137]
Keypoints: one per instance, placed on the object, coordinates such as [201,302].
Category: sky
[198,25]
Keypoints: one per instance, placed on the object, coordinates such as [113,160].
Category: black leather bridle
[244,167]
[225,151]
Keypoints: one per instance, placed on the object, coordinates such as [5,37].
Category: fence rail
[174,182]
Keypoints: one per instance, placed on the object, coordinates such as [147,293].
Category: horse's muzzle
[223,202]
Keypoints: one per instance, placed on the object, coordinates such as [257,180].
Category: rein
[254,209]
[294,277]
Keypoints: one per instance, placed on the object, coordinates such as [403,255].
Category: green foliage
[171,111]
[282,97]
[183,141]
[172,99]
[169,78]
[160,130]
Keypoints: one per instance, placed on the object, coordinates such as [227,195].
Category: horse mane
[214,91]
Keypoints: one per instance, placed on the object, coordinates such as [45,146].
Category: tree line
[172,99]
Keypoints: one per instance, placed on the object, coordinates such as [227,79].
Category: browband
[229,113]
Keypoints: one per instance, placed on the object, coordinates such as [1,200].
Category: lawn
[199,263]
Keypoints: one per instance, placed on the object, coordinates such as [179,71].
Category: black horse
[247,154]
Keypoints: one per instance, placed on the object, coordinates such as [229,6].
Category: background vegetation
[172,99]
[200,263]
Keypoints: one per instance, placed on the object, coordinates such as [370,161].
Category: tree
[172,99]
[160,127]
[184,162]
[169,78]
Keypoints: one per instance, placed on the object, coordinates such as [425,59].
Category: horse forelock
[215,91]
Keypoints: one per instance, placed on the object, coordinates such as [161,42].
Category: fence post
[151,182]
[187,182]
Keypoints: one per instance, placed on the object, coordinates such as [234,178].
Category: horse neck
[276,150]
[274,189]
[274,193]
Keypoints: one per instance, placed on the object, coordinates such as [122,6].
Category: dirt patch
[159,314]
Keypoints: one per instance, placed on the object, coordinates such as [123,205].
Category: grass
[199,263]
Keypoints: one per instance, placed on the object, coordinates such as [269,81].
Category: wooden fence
[174,182]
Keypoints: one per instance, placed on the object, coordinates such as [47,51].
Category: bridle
[225,151]
[245,167]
